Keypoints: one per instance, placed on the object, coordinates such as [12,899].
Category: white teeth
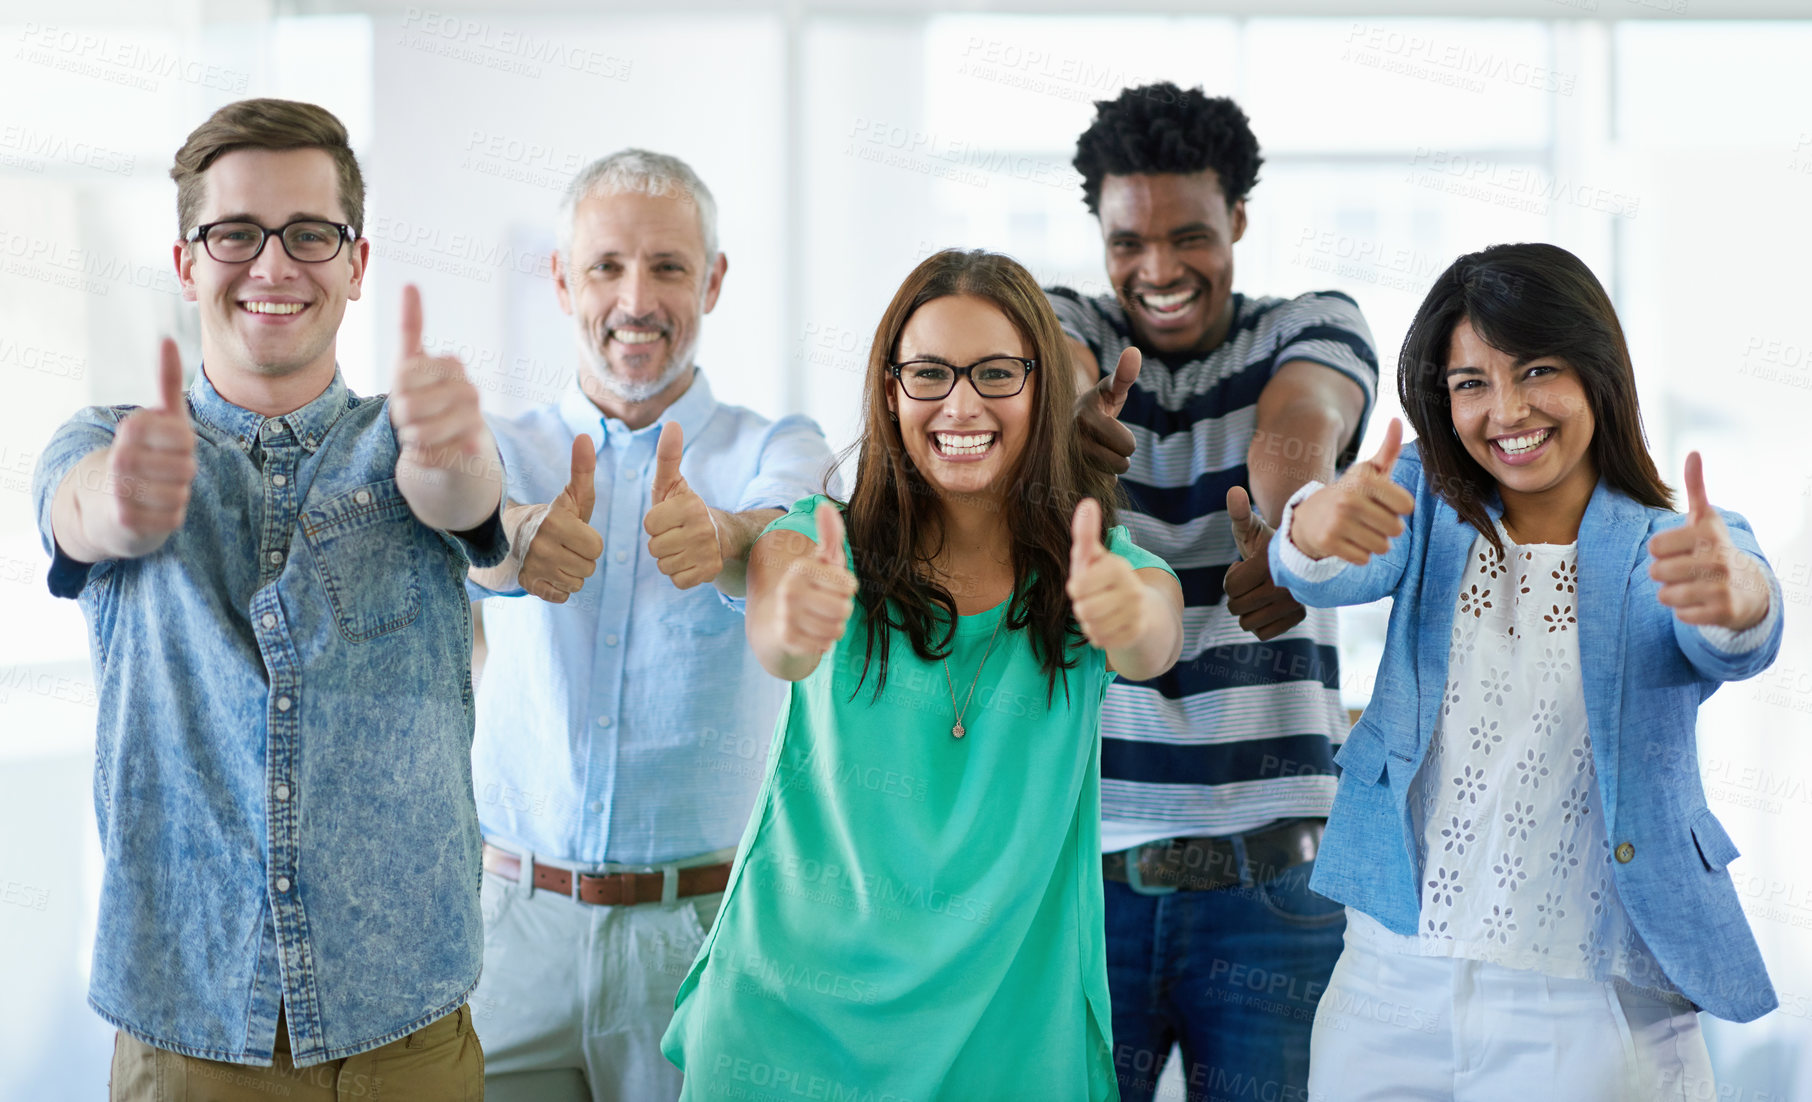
[1517,445]
[1167,302]
[633,336]
[953,444]
[273,307]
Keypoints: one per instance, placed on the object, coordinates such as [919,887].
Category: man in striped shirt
[1216,777]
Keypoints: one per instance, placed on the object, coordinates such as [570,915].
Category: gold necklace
[958,731]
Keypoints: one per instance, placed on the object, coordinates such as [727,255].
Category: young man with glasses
[1217,777]
[623,723]
[272,569]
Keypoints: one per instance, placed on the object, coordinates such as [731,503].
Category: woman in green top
[915,911]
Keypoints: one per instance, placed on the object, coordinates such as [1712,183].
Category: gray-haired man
[621,720]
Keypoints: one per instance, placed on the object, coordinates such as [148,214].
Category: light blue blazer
[1645,675]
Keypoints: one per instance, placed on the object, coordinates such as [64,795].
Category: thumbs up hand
[433,406]
[815,597]
[1264,608]
[1107,443]
[1106,595]
[150,468]
[682,536]
[563,549]
[1359,515]
[1704,577]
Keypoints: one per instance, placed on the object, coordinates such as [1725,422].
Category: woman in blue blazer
[1536,889]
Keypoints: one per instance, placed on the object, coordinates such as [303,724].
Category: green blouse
[912,916]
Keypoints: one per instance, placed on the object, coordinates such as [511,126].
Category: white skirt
[1395,1027]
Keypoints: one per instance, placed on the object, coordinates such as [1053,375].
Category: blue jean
[1232,975]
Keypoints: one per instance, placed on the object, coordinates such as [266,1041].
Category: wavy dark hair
[894,516]
[1160,128]
[1527,301]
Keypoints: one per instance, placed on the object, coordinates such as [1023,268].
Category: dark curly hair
[1162,128]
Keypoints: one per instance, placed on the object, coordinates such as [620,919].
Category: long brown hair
[1527,301]
[894,516]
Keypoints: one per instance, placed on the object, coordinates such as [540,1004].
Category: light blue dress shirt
[631,724]
[282,770]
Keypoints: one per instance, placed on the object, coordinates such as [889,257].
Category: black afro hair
[1161,128]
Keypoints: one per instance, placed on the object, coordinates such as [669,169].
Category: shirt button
[596,805]
[622,556]
[631,472]
[603,721]
[282,883]
[363,497]
[276,557]
[1626,853]
[610,640]
[269,620]
[283,704]
[278,480]
[282,792]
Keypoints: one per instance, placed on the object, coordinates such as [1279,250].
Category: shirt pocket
[1715,847]
[365,549]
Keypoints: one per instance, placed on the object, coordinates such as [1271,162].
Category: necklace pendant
[957,731]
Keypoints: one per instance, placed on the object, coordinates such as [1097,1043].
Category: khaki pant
[440,1062]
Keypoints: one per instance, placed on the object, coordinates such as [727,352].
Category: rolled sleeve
[795,463]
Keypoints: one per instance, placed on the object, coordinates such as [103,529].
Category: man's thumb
[667,451]
[1246,526]
[579,488]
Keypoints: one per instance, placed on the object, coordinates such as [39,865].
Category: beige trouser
[440,1062]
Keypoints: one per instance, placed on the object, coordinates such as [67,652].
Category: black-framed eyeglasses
[305,240]
[994,377]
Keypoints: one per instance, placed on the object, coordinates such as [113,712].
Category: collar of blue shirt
[693,409]
[310,423]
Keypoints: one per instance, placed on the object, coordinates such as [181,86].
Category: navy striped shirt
[1239,733]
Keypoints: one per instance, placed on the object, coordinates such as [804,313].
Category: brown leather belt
[614,889]
[1204,864]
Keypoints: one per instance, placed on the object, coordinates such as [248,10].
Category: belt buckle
[1136,880]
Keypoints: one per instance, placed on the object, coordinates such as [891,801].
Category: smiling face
[1169,241]
[1528,424]
[272,317]
[963,444]
[636,281]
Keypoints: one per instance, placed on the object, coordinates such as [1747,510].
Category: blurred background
[1667,142]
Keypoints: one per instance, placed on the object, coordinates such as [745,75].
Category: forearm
[736,535]
[1292,445]
[83,522]
[1159,646]
[457,497]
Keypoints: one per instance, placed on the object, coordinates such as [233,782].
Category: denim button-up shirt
[631,723]
[282,766]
